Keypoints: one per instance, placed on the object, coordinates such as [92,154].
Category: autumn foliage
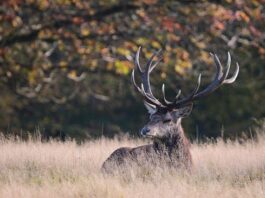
[65,64]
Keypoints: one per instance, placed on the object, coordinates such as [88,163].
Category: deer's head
[164,114]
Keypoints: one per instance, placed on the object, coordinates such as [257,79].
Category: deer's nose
[144,131]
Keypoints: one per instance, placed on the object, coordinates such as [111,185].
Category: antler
[145,88]
[219,79]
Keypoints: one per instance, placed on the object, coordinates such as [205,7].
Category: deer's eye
[166,120]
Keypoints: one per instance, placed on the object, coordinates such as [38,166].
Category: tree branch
[29,36]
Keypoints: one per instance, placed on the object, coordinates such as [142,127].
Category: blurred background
[65,65]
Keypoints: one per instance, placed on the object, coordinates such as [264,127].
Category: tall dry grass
[35,169]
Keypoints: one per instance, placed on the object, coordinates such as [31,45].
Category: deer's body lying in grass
[169,142]
[172,150]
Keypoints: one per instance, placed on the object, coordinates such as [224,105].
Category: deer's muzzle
[145,131]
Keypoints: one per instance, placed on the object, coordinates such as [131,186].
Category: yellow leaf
[32,77]
[182,66]
[72,74]
[122,67]
[198,43]
[156,44]
[44,34]
[179,70]
[204,56]
[61,45]
[85,30]
[17,67]
[17,21]
[93,64]
[62,63]
[109,66]
[123,51]
[141,41]
[43,4]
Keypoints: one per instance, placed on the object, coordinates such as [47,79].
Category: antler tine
[136,60]
[133,80]
[145,73]
[198,84]
[150,99]
[228,64]
[148,70]
[164,96]
[218,65]
[178,94]
[233,78]
[220,78]
[159,58]
[145,89]
[149,65]
[146,78]
[141,90]
[191,96]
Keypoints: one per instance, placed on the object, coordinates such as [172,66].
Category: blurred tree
[65,64]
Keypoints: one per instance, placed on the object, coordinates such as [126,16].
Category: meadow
[56,169]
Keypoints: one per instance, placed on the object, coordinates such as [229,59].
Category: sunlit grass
[54,169]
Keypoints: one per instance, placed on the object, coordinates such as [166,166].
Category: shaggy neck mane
[175,142]
[175,146]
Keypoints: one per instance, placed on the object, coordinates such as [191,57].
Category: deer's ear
[150,108]
[183,111]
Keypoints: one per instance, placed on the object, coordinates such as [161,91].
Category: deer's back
[125,155]
[147,155]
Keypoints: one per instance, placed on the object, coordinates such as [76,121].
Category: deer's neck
[175,142]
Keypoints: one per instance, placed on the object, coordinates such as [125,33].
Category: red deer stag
[164,127]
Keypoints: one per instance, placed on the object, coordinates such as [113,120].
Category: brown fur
[173,150]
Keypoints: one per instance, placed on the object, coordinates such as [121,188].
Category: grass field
[35,169]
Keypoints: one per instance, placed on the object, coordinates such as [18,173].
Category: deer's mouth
[148,136]
[153,137]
